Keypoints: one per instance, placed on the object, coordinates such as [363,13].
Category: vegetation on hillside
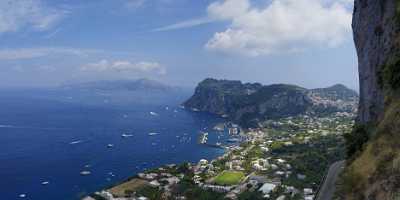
[378,164]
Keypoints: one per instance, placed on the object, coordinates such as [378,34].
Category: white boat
[126,135]
[153,134]
[85,173]
[45,183]
[110,145]
[76,142]
[154,113]
[22,195]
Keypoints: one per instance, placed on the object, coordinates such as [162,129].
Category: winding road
[328,188]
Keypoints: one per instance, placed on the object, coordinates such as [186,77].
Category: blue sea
[51,136]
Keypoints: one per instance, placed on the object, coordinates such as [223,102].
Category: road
[328,189]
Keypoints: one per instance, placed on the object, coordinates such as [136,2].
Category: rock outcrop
[248,104]
[376,37]
[373,170]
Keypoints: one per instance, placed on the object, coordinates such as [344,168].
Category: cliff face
[375,34]
[248,104]
[373,170]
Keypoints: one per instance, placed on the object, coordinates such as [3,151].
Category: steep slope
[248,104]
[373,170]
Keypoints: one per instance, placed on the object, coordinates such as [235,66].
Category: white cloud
[124,66]
[229,9]
[282,26]
[33,14]
[29,53]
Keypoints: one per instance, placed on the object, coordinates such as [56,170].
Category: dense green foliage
[389,74]
[188,189]
[311,161]
[247,195]
[356,139]
[397,11]
[150,192]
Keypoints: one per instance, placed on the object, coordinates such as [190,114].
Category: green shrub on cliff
[389,75]
[356,139]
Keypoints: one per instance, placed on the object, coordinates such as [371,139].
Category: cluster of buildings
[265,171]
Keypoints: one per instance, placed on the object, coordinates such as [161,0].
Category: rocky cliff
[375,26]
[373,170]
[248,104]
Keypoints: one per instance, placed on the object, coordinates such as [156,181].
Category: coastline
[287,157]
[105,193]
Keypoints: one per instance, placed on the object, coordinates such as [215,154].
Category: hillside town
[286,159]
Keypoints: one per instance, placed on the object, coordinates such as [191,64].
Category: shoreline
[282,158]
[227,150]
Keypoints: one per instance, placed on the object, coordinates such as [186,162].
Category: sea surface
[52,137]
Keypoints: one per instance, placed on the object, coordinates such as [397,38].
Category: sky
[179,42]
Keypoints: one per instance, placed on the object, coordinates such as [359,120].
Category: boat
[126,135]
[85,173]
[22,195]
[154,113]
[153,134]
[76,142]
[110,145]
[45,182]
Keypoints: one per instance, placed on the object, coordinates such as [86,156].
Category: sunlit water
[52,141]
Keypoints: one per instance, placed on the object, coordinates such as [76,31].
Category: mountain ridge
[250,103]
[106,85]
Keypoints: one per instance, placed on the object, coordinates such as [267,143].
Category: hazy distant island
[117,92]
[289,136]
[116,85]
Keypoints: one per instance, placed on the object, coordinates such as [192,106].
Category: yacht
[126,135]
